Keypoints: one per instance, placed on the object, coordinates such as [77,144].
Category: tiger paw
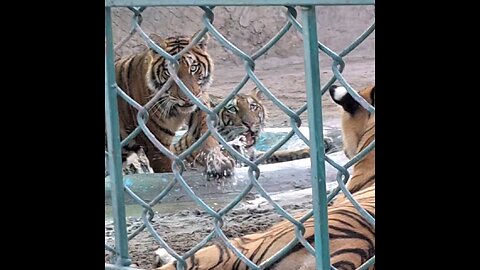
[218,165]
[135,161]
[162,257]
[329,145]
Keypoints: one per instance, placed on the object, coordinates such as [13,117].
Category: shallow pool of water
[274,178]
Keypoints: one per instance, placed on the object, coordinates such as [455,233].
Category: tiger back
[352,238]
[143,74]
[358,132]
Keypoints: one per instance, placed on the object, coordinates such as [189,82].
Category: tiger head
[244,116]
[356,120]
[195,70]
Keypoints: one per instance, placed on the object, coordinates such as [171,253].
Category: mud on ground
[184,229]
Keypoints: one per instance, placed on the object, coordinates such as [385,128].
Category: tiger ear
[340,95]
[256,93]
[158,40]
[202,43]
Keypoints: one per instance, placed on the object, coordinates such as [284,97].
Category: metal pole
[114,149]
[317,148]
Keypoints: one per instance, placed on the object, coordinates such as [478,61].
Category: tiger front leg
[134,160]
[218,164]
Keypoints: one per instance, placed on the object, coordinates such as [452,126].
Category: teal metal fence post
[114,150]
[317,148]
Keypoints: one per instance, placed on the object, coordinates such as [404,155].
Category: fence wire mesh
[312,48]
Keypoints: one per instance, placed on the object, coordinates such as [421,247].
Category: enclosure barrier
[314,92]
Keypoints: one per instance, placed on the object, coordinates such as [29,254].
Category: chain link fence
[314,91]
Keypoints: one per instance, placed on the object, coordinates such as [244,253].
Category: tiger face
[244,116]
[356,120]
[195,70]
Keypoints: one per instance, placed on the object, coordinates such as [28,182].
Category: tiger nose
[248,123]
[187,101]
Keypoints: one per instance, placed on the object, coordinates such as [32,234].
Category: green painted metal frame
[153,3]
[114,150]
[314,105]
[317,149]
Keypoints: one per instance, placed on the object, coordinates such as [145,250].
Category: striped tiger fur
[241,122]
[243,118]
[143,74]
[352,238]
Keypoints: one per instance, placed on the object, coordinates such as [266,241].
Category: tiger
[142,75]
[352,238]
[358,132]
[244,118]
[241,122]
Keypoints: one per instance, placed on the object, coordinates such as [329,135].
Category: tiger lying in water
[352,238]
[241,122]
